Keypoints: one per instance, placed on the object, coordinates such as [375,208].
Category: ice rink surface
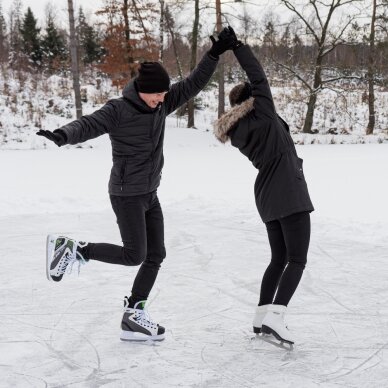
[67,334]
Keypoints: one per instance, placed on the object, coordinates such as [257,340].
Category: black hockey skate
[61,255]
[137,325]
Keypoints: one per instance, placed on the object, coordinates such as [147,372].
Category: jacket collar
[225,123]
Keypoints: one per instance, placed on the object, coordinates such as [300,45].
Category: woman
[282,198]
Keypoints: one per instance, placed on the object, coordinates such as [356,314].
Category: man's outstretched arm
[183,91]
[87,127]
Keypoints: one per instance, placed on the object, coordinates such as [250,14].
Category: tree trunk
[147,38]
[221,69]
[170,27]
[193,62]
[309,120]
[161,30]
[74,61]
[173,41]
[371,73]
[126,31]
[128,48]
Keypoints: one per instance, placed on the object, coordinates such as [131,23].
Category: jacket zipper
[154,145]
[122,174]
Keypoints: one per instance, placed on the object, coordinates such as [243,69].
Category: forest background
[326,61]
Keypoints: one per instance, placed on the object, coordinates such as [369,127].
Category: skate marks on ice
[240,359]
[68,333]
[339,315]
[43,330]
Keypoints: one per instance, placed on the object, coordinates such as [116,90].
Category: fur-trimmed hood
[225,123]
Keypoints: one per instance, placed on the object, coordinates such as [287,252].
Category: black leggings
[289,239]
[140,220]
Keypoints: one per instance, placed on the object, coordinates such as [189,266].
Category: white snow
[67,334]
[43,102]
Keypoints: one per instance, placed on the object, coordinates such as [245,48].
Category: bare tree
[221,67]
[371,72]
[15,38]
[169,22]
[248,24]
[326,38]
[127,30]
[161,30]
[128,47]
[379,24]
[193,61]
[3,38]
[74,60]
[140,19]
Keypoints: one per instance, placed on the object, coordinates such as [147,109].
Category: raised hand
[226,41]
[232,35]
[58,137]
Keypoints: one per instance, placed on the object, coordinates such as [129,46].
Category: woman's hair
[240,93]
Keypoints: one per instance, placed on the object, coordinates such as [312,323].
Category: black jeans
[289,239]
[141,225]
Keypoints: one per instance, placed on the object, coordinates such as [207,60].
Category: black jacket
[136,131]
[261,135]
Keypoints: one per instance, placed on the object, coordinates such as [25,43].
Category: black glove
[232,34]
[58,136]
[225,42]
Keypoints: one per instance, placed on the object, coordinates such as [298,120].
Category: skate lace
[142,316]
[145,318]
[78,263]
[67,264]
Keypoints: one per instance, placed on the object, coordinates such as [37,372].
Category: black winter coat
[261,135]
[136,131]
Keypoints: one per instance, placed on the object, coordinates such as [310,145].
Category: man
[135,124]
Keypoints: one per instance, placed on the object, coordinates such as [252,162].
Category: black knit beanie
[152,78]
[240,93]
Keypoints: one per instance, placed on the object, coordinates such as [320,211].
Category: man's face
[152,99]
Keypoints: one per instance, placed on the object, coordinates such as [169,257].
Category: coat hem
[300,209]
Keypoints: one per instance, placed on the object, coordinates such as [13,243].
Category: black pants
[141,225]
[289,239]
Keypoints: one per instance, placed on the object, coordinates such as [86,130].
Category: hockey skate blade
[136,336]
[50,247]
[267,330]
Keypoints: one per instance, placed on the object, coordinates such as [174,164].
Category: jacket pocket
[299,168]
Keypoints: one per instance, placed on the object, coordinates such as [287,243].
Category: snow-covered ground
[43,102]
[67,334]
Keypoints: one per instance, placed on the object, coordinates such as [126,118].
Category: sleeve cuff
[61,133]
[240,47]
[212,57]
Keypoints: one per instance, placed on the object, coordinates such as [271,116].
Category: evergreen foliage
[53,45]
[30,37]
[90,49]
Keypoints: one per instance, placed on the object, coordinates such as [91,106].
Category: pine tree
[30,37]
[88,40]
[53,45]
